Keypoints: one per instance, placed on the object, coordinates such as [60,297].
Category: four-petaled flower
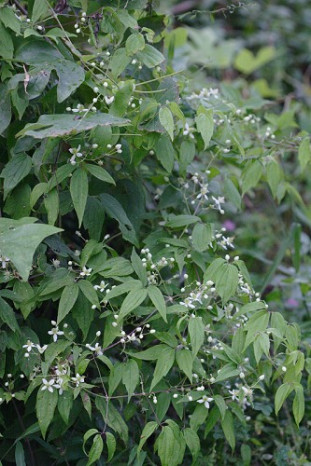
[55,332]
[29,345]
[48,385]
[206,400]
[78,379]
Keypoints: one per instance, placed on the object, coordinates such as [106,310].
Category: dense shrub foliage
[130,329]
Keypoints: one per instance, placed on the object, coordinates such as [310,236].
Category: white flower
[48,385]
[97,349]
[206,400]
[75,151]
[109,100]
[29,345]
[78,379]
[55,332]
[85,272]
[41,349]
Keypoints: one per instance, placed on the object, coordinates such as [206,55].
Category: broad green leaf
[119,62]
[5,105]
[65,124]
[115,210]
[166,447]
[167,121]
[228,428]
[19,455]
[67,300]
[304,153]
[89,292]
[196,332]
[139,267]
[281,394]
[64,405]
[180,221]
[96,450]
[201,236]
[130,377]
[134,43]
[299,404]
[113,418]
[6,44]
[226,372]
[100,173]
[165,152]
[158,300]
[184,360]
[163,365]
[186,155]
[40,10]
[232,193]
[148,430]
[221,405]
[227,281]
[51,203]
[14,171]
[205,124]
[9,19]
[20,242]
[247,62]
[131,302]
[7,315]
[193,442]
[251,176]
[111,445]
[79,188]
[150,56]
[125,287]
[274,176]
[83,313]
[45,407]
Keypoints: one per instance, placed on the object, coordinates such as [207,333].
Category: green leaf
[281,394]
[6,44]
[228,429]
[148,430]
[45,407]
[132,301]
[299,404]
[150,56]
[83,313]
[51,203]
[274,176]
[7,315]
[163,365]
[79,188]
[134,43]
[89,292]
[196,332]
[138,267]
[166,446]
[14,171]
[201,236]
[96,450]
[184,360]
[167,121]
[221,405]
[64,405]
[247,62]
[62,125]
[10,20]
[115,210]
[130,377]
[71,76]
[100,173]
[304,153]
[205,124]
[5,105]
[193,442]
[227,281]
[165,153]
[186,155]
[19,455]
[40,10]
[67,300]
[111,445]
[113,418]
[119,62]
[180,221]
[158,300]
[251,176]
[232,193]
[19,243]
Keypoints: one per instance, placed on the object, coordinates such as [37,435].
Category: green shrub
[130,330]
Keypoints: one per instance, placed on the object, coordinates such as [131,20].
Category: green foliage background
[154,233]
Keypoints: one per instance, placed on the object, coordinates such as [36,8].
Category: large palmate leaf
[18,242]
[61,125]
